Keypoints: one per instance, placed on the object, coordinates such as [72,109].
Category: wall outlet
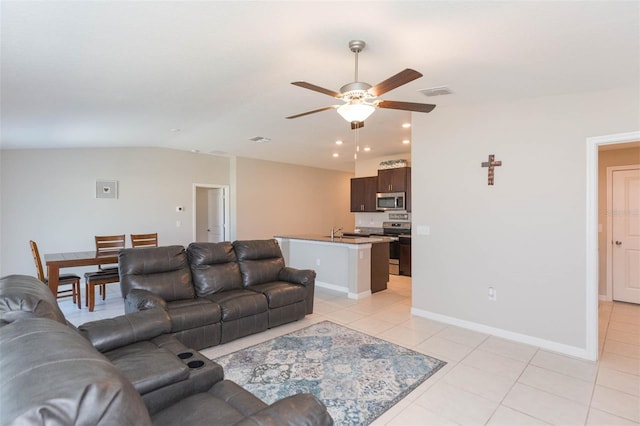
[317,262]
[492,294]
[178,223]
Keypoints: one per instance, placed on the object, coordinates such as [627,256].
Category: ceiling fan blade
[314,111]
[406,106]
[313,87]
[403,77]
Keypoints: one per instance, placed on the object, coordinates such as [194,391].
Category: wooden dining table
[55,261]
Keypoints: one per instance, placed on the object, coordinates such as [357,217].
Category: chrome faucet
[334,231]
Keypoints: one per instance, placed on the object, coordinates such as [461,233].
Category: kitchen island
[357,266]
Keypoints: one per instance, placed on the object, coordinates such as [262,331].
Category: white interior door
[215,226]
[626,235]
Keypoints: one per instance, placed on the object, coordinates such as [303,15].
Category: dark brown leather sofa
[120,371]
[216,292]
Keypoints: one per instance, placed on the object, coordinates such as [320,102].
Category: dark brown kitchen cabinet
[363,194]
[405,260]
[393,180]
[396,180]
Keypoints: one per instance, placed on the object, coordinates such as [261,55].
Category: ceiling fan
[361,99]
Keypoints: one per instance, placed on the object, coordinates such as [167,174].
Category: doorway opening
[210,213]
[592,247]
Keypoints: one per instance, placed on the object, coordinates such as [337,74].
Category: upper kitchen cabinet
[394,180]
[363,194]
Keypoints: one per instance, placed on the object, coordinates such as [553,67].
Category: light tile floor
[487,380]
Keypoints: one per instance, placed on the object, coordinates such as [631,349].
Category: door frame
[591,287]
[225,196]
[609,295]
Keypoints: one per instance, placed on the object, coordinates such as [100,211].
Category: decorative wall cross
[491,164]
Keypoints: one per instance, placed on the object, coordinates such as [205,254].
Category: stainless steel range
[399,247]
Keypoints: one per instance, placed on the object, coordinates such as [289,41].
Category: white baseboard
[359,295]
[505,334]
[343,289]
[333,287]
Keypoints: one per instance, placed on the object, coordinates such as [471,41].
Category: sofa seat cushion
[237,304]
[147,366]
[226,403]
[192,313]
[280,293]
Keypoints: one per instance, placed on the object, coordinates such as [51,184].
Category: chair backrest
[108,245]
[144,240]
[36,258]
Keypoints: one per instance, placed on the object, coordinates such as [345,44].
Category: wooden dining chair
[106,245]
[144,240]
[65,279]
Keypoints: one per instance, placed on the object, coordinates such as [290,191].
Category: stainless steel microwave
[390,201]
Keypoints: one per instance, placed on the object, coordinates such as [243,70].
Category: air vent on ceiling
[260,139]
[436,91]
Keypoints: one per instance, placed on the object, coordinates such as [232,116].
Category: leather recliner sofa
[124,370]
[216,292]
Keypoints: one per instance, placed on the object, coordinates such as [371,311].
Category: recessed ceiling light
[406,125]
[406,141]
[367,148]
[260,139]
[335,155]
[338,142]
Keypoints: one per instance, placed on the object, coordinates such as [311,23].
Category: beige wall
[526,235]
[276,199]
[608,158]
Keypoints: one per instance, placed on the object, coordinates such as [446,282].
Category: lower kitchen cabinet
[405,259]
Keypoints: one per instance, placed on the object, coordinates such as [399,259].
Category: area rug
[357,376]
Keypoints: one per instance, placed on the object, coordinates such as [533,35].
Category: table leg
[53,273]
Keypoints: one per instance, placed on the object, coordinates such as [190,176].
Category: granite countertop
[338,240]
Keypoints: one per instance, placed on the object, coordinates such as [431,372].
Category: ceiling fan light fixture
[355,112]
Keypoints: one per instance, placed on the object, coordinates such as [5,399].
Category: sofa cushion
[280,293]
[163,271]
[50,374]
[23,296]
[147,366]
[186,314]
[214,267]
[260,261]
[239,303]
[226,402]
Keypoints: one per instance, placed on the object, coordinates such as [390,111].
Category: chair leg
[78,297]
[92,297]
[104,291]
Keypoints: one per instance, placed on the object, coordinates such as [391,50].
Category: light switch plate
[424,230]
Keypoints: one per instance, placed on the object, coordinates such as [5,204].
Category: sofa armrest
[108,334]
[296,410]
[303,277]
[140,300]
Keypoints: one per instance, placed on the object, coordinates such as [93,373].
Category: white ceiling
[124,73]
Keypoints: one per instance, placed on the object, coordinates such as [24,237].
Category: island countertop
[338,240]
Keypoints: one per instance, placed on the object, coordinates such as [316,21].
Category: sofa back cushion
[23,296]
[214,267]
[260,261]
[50,374]
[163,271]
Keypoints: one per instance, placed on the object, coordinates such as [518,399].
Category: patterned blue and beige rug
[357,376]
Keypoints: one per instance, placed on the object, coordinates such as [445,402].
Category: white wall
[49,196]
[525,236]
